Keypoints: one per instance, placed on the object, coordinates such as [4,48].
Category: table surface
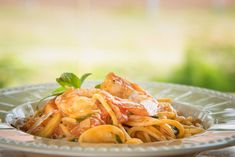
[224,152]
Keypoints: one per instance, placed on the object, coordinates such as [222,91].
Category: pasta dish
[115,111]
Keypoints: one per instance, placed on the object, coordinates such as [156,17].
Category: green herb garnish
[98,86]
[66,81]
[83,118]
[75,139]
[156,116]
[58,90]
[176,130]
[69,80]
[118,139]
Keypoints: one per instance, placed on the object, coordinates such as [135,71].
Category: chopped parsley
[75,139]
[118,139]
[176,130]
[98,86]
[83,118]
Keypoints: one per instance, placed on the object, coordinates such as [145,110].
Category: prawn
[77,103]
[127,90]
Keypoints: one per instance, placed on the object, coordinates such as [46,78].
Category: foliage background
[171,41]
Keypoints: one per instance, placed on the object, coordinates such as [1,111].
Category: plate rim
[60,150]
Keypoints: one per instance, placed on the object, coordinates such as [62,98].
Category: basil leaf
[58,90]
[46,97]
[84,76]
[69,80]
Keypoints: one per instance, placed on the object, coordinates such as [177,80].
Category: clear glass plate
[215,109]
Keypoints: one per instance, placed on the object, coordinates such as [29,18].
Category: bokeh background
[180,41]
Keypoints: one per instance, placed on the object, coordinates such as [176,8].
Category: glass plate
[215,109]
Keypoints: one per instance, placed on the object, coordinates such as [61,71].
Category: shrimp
[124,89]
[74,105]
[77,103]
[123,104]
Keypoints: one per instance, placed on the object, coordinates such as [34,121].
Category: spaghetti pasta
[119,112]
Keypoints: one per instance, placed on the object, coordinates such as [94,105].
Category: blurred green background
[187,42]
